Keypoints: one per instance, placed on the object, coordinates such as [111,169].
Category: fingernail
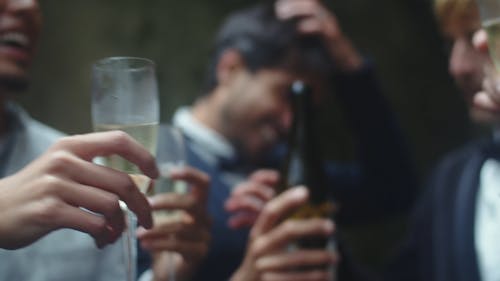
[299,192]
[176,171]
[328,227]
[151,201]
[140,231]
[269,192]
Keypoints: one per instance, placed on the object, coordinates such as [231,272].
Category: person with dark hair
[455,227]
[238,126]
[56,205]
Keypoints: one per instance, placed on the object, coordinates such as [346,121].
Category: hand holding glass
[125,97]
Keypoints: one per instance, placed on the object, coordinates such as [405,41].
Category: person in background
[46,179]
[237,128]
[453,235]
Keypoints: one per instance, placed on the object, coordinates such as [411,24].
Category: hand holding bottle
[267,256]
[249,197]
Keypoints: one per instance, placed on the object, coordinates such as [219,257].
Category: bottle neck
[303,164]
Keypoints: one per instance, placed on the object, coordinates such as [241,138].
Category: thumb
[480,41]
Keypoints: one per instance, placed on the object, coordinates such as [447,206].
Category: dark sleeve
[427,250]
[383,181]
[143,260]
[412,261]
[440,243]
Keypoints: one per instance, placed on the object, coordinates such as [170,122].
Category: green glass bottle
[303,164]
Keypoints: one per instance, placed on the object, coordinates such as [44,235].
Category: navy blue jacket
[441,244]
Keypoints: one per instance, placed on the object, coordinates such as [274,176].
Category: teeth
[17,38]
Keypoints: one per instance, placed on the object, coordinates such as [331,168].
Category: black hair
[264,41]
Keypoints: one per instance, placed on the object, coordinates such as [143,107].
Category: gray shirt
[64,254]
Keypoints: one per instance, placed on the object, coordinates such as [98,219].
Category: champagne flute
[125,97]
[489,11]
[170,155]
[303,165]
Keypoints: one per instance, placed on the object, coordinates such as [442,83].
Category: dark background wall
[400,35]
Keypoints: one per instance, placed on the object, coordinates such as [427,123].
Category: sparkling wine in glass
[170,155]
[125,97]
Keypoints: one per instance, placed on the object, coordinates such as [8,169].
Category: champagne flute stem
[129,244]
[132,245]
[171,267]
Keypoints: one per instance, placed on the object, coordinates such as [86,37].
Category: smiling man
[18,37]
[241,121]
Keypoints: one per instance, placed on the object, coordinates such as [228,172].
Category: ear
[230,63]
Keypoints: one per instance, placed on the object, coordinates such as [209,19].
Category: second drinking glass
[170,155]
